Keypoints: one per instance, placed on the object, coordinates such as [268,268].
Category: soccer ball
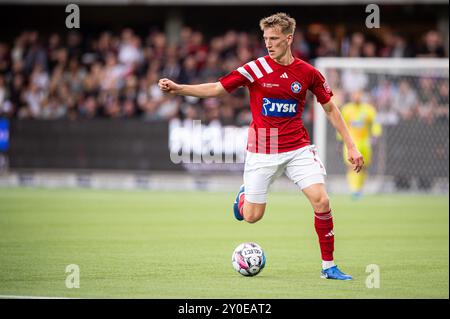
[248,259]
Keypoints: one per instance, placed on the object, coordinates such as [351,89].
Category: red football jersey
[277,99]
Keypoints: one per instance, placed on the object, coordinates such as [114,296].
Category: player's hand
[169,86]
[355,157]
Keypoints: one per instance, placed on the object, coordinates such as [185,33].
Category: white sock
[327,264]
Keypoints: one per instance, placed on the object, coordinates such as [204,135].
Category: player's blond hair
[280,19]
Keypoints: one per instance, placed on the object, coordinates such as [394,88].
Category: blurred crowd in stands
[115,75]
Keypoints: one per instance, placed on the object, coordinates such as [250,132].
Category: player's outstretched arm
[335,117]
[198,90]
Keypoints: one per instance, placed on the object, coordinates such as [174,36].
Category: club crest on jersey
[279,107]
[296,87]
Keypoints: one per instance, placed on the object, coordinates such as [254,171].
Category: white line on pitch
[31,297]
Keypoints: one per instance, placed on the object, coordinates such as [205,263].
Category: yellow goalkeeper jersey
[361,121]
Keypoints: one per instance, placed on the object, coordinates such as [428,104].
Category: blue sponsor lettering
[279,107]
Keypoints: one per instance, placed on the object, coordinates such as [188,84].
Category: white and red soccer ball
[248,259]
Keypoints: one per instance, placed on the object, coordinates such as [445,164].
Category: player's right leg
[245,210]
[260,172]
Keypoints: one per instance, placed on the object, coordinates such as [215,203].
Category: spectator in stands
[88,108]
[427,89]
[130,51]
[113,73]
[300,46]
[35,54]
[352,46]
[15,96]
[5,105]
[39,77]
[431,45]
[395,46]
[327,45]
[353,80]
[382,96]
[442,108]
[369,50]
[211,107]
[405,101]
[212,69]
[188,73]
[33,98]
[439,104]
[4,58]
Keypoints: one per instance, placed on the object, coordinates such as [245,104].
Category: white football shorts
[303,166]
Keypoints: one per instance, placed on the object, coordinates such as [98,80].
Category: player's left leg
[307,171]
[323,223]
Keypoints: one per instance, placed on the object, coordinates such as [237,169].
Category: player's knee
[253,215]
[252,218]
[321,203]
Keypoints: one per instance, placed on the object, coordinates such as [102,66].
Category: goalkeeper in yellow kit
[361,120]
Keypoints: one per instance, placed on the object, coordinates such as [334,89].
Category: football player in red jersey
[278,141]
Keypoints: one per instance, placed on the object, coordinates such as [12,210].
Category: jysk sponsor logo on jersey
[296,87]
[279,107]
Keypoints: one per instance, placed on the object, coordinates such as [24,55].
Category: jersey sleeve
[235,79]
[320,87]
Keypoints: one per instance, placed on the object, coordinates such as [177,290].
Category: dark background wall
[212,19]
[93,144]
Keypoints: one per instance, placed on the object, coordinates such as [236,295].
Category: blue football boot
[334,273]
[237,214]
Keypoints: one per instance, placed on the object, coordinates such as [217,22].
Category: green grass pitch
[146,244]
